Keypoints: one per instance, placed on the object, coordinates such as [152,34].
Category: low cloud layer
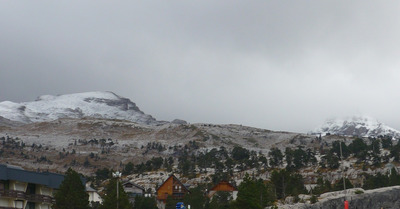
[270,64]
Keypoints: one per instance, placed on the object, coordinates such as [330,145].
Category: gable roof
[173,176]
[133,184]
[90,189]
[224,183]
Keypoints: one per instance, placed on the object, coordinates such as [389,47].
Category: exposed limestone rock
[387,198]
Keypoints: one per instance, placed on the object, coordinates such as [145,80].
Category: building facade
[94,197]
[223,186]
[133,190]
[26,189]
[171,187]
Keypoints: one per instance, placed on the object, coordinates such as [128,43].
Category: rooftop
[10,172]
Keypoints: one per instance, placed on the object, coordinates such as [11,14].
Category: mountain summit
[362,126]
[89,104]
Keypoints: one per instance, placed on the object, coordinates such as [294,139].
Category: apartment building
[27,189]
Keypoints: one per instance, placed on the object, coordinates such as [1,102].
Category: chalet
[171,187]
[26,189]
[94,197]
[223,186]
[133,190]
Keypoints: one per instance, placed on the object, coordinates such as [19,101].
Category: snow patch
[89,104]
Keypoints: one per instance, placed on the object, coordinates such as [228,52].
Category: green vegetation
[145,203]
[110,197]
[72,193]
[287,183]
[255,194]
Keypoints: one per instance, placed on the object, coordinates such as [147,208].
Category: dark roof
[133,184]
[52,180]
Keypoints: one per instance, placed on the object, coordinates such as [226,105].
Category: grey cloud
[272,64]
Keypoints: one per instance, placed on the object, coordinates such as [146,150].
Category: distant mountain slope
[89,104]
[356,126]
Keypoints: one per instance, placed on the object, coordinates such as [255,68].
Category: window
[19,203]
[4,185]
[31,188]
[30,205]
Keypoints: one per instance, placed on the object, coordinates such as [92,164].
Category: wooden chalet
[223,186]
[171,187]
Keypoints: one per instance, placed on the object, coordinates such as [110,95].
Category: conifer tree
[196,198]
[276,157]
[145,203]
[170,203]
[110,198]
[254,194]
[72,193]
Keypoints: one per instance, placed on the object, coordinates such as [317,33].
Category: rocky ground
[89,144]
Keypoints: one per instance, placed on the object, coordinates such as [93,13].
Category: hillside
[106,105]
[106,132]
[361,126]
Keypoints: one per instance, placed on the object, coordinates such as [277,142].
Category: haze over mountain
[363,126]
[106,105]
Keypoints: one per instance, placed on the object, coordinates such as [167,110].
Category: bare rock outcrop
[387,198]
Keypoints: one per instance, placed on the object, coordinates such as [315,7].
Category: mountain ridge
[95,104]
[363,126]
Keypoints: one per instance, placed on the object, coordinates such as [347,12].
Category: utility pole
[346,203]
[117,175]
[341,159]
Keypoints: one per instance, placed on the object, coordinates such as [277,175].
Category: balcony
[12,194]
[25,196]
[178,196]
[39,198]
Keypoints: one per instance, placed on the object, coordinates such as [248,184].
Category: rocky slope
[89,104]
[358,198]
[356,126]
[129,140]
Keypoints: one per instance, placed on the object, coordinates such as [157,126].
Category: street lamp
[117,175]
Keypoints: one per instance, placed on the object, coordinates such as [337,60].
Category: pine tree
[196,198]
[145,203]
[221,200]
[254,194]
[71,194]
[170,203]
[276,157]
[110,198]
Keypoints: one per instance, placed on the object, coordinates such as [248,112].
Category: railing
[178,196]
[12,193]
[25,196]
[39,198]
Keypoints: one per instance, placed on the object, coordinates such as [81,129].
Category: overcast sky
[279,65]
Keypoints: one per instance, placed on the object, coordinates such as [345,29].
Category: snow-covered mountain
[362,126]
[89,104]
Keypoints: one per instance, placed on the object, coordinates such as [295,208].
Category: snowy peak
[89,104]
[362,126]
